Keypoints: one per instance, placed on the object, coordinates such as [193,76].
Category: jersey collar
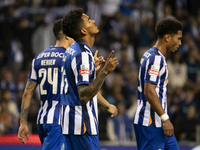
[159,51]
[85,46]
[57,47]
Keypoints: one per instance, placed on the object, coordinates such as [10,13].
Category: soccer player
[153,129]
[81,85]
[45,71]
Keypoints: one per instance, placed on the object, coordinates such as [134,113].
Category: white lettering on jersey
[43,55]
[57,54]
[53,54]
[48,62]
[70,51]
[146,54]
[64,58]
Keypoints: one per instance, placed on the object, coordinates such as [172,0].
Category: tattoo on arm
[26,99]
[92,89]
[24,113]
[31,86]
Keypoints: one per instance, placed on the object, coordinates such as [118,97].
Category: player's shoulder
[82,47]
[153,53]
[77,48]
[72,50]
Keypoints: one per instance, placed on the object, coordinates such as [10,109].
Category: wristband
[164,117]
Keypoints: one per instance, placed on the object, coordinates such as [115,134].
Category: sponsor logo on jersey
[154,70]
[84,69]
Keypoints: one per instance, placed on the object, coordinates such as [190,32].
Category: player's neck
[162,47]
[88,40]
[61,43]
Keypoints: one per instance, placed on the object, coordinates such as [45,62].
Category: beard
[168,52]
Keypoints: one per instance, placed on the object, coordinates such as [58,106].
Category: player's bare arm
[153,99]
[109,107]
[87,92]
[26,99]
[101,100]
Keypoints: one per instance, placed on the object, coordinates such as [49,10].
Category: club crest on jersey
[154,70]
[84,69]
[63,147]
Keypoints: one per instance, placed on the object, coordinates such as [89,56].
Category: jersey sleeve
[32,73]
[153,69]
[83,68]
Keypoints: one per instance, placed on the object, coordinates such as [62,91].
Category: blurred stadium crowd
[127,26]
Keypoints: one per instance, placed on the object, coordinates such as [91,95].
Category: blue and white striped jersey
[46,71]
[153,69]
[78,69]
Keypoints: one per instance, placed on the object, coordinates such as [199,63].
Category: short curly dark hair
[72,23]
[168,26]
[57,29]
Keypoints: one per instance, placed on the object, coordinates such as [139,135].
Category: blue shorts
[152,138]
[51,137]
[82,142]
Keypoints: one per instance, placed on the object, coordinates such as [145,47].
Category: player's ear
[83,31]
[167,37]
[66,37]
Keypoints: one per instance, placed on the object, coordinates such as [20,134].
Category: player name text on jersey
[48,62]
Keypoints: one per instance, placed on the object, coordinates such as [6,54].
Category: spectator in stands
[12,106]
[94,11]
[188,123]
[116,27]
[188,100]
[39,38]
[193,65]
[8,83]
[120,128]
[124,51]
[177,71]
[8,122]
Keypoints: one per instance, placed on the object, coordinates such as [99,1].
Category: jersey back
[46,71]
[153,69]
